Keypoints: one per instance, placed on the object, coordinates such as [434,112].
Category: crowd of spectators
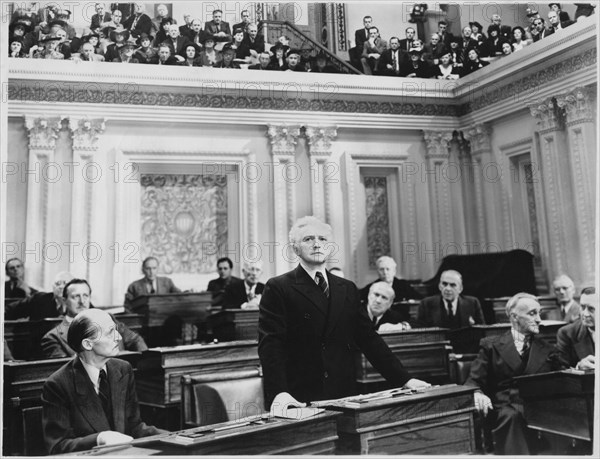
[128,35]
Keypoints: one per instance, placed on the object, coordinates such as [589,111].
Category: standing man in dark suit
[575,342]
[381,297]
[76,295]
[407,43]
[386,269]
[360,37]
[15,286]
[501,358]
[245,294]
[218,28]
[564,289]
[217,286]
[151,283]
[450,309]
[139,22]
[91,400]
[310,325]
[41,304]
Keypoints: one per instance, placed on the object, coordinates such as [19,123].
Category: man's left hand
[416,384]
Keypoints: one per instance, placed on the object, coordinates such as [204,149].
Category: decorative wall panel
[378,220]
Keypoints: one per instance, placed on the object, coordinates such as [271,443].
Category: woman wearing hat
[48,51]
[15,48]
[23,30]
[228,58]
[493,44]
[477,33]
[209,57]
[192,56]
[416,67]
[163,33]
[278,59]
[119,37]
[445,70]
[126,53]
[145,53]
[242,52]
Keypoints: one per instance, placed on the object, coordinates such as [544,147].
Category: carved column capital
[319,140]
[547,114]
[479,137]
[43,132]
[437,143]
[86,132]
[283,138]
[578,104]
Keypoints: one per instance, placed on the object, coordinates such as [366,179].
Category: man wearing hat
[139,22]
[372,50]
[49,50]
[145,53]
[228,54]
[118,37]
[293,62]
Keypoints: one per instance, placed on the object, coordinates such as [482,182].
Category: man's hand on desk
[483,403]
[284,400]
[110,437]
[587,363]
[416,384]
[394,327]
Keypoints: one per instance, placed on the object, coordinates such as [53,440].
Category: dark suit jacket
[405,45]
[360,37]
[140,288]
[402,291]
[54,343]
[217,288]
[235,293]
[386,58]
[390,317]
[573,314]
[97,20]
[257,45]
[432,312]
[307,343]
[182,42]
[498,362]
[211,28]
[72,411]
[574,343]
[144,25]
[17,292]
[36,307]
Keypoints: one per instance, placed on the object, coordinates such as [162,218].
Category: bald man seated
[91,400]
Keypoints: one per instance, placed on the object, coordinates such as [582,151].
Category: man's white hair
[513,302]
[303,222]
[385,258]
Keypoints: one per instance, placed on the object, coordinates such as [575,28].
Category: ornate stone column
[579,106]
[41,171]
[283,148]
[85,144]
[437,158]
[323,173]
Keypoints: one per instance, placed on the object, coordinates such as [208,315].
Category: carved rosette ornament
[43,132]
[86,133]
[547,114]
[578,105]
[437,143]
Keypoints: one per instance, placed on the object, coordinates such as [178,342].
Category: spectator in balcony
[264,60]
[542,30]
[192,56]
[456,52]
[116,19]
[164,55]
[186,29]
[64,45]
[118,37]
[434,50]
[360,37]
[306,59]
[145,53]
[162,12]
[518,41]
[254,41]
[94,40]
[292,62]
[473,62]
[504,29]
[24,32]
[100,17]
[176,42]
[562,15]
[468,43]
[392,59]
[372,50]
[218,28]
[416,67]
[16,286]
[584,10]
[321,65]
[16,50]
[88,54]
[245,14]
[445,70]
[139,22]
[477,33]
[104,41]
[242,52]
[195,34]
[278,59]
[65,15]
[227,62]
[126,53]
[493,45]
[506,48]
[555,23]
[407,43]
[163,33]
[285,42]
[209,57]
[445,36]
[48,49]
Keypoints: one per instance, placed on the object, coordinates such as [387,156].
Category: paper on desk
[297,413]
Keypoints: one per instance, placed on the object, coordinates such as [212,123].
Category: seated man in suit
[41,304]
[91,400]
[450,309]
[381,297]
[245,294]
[386,269]
[217,286]
[515,353]
[15,286]
[564,289]
[575,342]
[76,295]
[373,48]
[151,283]
[139,22]
[176,42]
[218,28]
[556,23]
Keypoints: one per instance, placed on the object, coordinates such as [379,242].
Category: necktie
[563,312]
[374,321]
[322,283]
[152,291]
[135,21]
[104,394]
[450,312]
[395,61]
[526,348]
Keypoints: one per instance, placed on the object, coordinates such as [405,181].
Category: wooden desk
[170,319]
[408,309]
[423,352]
[234,324]
[134,322]
[159,374]
[24,337]
[436,421]
[560,405]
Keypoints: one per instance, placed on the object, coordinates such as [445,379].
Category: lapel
[88,402]
[337,301]
[538,356]
[584,345]
[462,311]
[63,329]
[439,314]
[118,392]
[307,287]
[507,350]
